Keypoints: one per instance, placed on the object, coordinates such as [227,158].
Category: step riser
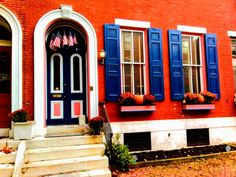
[58,130]
[29,171]
[6,172]
[39,156]
[7,158]
[67,141]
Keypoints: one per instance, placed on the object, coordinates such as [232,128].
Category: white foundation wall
[171,134]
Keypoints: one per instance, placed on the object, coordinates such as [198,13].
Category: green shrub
[119,156]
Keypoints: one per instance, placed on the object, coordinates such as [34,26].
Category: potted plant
[199,101]
[136,103]
[95,125]
[22,128]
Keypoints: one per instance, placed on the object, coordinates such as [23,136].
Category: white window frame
[191,65]
[132,63]
[61,73]
[72,73]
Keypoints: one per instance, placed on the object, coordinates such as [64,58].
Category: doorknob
[64,84]
[64,96]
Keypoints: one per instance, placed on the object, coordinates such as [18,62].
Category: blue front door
[66,82]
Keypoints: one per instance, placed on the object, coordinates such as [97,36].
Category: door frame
[40,57]
[16,53]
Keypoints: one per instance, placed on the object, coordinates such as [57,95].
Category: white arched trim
[40,64]
[16,81]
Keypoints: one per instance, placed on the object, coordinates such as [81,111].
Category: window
[233,48]
[132,62]
[192,63]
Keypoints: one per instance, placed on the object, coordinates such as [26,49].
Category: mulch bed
[185,152]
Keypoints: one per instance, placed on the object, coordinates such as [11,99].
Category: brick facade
[216,16]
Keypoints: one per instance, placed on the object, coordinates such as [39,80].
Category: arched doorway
[66,73]
[5,72]
[40,66]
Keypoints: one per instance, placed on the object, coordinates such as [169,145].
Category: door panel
[5,86]
[66,86]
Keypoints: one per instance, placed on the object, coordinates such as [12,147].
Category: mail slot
[57,95]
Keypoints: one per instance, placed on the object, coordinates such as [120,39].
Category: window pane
[186,49]
[138,79]
[76,73]
[233,47]
[126,46]
[196,79]
[138,47]
[127,78]
[56,73]
[234,79]
[195,50]
[187,79]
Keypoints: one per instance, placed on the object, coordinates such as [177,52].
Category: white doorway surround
[16,80]
[65,12]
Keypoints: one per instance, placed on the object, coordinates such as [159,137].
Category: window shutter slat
[176,69]
[156,64]
[112,61]
[213,84]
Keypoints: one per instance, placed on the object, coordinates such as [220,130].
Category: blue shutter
[112,61]
[213,83]
[155,61]
[176,69]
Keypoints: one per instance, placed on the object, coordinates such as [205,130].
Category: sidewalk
[220,166]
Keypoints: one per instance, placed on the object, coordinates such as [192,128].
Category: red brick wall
[216,15]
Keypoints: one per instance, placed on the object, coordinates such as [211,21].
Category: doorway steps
[68,156]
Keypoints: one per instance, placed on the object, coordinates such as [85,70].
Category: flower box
[141,108]
[23,130]
[198,106]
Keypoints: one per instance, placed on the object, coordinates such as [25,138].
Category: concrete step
[7,158]
[63,141]
[14,144]
[6,170]
[65,130]
[52,153]
[64,166]
[91,173]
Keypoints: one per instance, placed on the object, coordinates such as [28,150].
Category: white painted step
[7,158]
[6,170]
[65,129]
[52,153]
[63,141]
[64,166]
[91,173]
[14,144]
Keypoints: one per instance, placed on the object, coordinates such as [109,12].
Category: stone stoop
[7,160]
[68,156]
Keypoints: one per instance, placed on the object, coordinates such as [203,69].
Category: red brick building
[50,65]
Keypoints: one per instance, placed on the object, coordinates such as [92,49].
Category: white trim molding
[192,29]
[132,23]
[171,134]
[231,33]
[16,82]
[40,64]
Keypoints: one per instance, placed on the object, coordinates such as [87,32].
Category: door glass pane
[56,73]
[5,70]
[138,47]
[195,50]
[187,79]
[76,74]
[126,46]
[196,79]
[127,78]
[138,79]
[186,49]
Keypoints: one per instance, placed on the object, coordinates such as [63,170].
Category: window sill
[198,106]
[141,108]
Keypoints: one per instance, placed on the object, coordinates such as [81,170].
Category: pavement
[217,166]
